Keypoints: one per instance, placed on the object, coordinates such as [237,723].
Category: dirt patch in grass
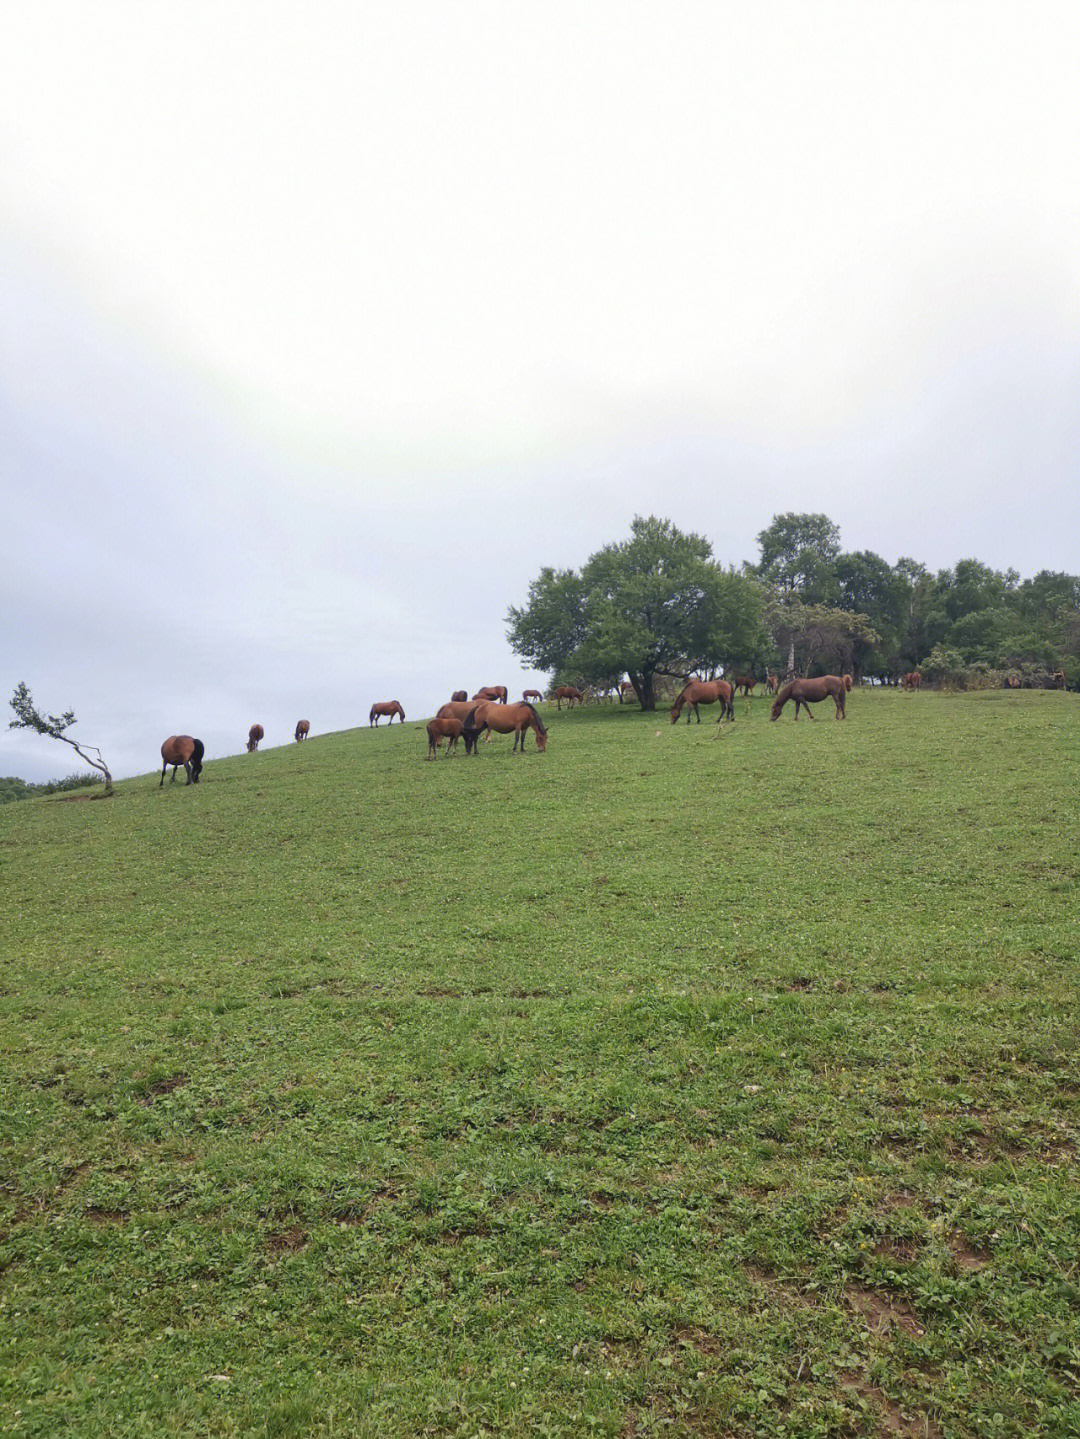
[438,991]
[286,1241]
[105,1216]
[693,1337]
[883,1313]
[892,1420]
[162,1086]
[901,1249]
[966,1255]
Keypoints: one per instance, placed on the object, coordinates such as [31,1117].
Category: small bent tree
[28,717]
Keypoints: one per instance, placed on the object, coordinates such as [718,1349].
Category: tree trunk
[643,688]
[790,661]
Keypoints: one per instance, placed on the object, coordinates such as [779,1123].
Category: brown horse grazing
[302,729]
[704,692]
[911,681]
[848,682]
[772,684]
[745,683]
[808,692]
[181,749]
[529,695]
[459,695]
[503,719]
[491,692]
[387,707]
[456,709]
[255,734]
[569,693]
[448,729]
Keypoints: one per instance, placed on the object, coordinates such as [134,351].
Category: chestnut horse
[255,734]
[181,749]
[848,682]
[459,695]
[808,692]
[911,681]
[491,692]
[387,707]
[569,693]
[772,683]
[302,728]
[704,692]
[529,695]
[745,683]
[448,729]
[518,718]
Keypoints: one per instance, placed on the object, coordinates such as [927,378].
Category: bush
[943,667]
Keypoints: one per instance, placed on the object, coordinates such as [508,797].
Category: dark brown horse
[744,684]
[181,749]
[571,694]
[491,692]
[459,695]
[704,692]
[448,729]
[808,692]
[302,729]
[387,707]
[529,695]
[255,734]
[518,718]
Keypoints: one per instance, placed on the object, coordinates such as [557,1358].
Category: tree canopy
[655,604]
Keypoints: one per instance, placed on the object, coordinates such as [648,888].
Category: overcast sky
[324,327]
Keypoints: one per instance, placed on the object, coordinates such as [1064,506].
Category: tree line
[658,605]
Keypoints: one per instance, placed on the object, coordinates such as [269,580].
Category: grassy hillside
[655,1085]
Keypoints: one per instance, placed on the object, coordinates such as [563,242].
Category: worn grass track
[654,1085]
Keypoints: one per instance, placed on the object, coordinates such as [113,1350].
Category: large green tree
[653,605]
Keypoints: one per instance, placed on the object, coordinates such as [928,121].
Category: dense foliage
[12,789]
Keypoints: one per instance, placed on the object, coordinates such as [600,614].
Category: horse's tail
[197,751]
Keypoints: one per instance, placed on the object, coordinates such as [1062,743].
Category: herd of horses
[490,711]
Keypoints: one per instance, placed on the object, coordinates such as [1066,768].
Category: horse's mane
[536,717]
[199,749]
[784,692]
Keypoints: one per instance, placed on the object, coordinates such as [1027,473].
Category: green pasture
[658,1085]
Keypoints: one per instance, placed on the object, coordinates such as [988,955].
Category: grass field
[655,1085]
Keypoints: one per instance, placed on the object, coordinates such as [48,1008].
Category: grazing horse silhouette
[491,692]
[704,692]
[808,692]
[569,693]
[449,729]
[518,718]
[387,707]
[181,749]
[529,695]
[459,695]
[255,734]
[745,683]
[302,728]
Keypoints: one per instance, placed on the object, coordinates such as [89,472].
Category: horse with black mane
[808,692]
[504,719]
[385,707]
[491,692]
[704,692]
[181,749]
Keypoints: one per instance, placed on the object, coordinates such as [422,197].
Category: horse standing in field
[448,729]
[181,749]
[255,734]
[459,695]
[569,693]
[529,695]
[808,692]
[387,707]
[518,718]
[772,683]
[491,692]
[704,692]
[745,684]
[302,729]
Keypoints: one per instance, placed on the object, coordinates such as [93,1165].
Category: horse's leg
[187,771]
[164,767]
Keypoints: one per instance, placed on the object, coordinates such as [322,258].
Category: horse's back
[178,749]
